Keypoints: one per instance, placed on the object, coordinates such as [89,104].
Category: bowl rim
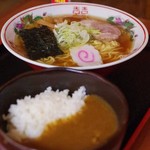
[32,62]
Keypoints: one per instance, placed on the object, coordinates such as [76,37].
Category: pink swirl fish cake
[86,55]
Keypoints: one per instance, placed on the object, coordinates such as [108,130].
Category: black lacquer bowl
[34,82]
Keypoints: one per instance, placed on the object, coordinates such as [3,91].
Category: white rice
[29,117]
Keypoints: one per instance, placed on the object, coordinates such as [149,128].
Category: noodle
[110,51]
[48,60]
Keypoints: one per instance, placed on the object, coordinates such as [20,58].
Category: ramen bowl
[34,82]
[87,36]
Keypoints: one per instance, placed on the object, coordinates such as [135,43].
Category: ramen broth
[89,129]
[109,51]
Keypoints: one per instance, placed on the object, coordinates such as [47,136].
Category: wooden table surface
[120,78]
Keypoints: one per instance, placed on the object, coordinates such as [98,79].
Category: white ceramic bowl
[139,31]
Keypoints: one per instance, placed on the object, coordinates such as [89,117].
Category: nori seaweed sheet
[40,42]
